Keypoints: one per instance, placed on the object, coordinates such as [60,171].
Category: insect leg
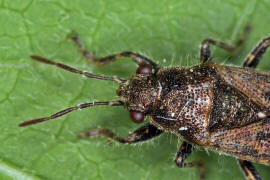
[184,151]
[137,58]
[249,170]
[205,52]
[256,54]
[146,132]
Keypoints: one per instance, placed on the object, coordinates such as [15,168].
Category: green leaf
[169,32]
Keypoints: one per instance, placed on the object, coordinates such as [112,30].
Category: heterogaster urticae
[219,107]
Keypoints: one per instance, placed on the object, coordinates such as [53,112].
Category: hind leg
[256,54]
[249,170]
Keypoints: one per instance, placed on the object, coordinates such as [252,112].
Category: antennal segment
[73,70]
[70,109]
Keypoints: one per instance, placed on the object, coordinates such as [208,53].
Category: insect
[219,107]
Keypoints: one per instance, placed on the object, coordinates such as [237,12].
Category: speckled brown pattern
[219,107]
[222,108]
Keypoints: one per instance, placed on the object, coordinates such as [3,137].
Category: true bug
[219,107]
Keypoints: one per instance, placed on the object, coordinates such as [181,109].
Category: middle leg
[205,52]
[184,151]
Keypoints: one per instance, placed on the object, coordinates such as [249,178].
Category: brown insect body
[223,108]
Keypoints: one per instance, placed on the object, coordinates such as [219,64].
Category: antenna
[70,109]
[76,71]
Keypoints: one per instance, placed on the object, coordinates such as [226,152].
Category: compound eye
[136,116]
[144,69]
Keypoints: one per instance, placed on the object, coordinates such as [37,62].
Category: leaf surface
[168,32]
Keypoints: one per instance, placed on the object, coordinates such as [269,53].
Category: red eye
[136,116]
[144,69]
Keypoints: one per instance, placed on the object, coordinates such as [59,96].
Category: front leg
[184,151]
[136,57]
[146,132]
